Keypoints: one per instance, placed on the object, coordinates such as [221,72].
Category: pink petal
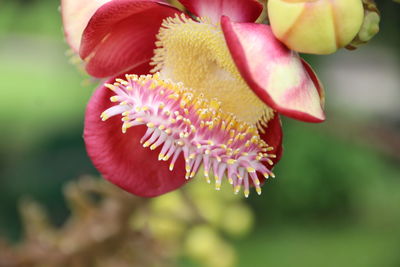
[121,159]
[275,73]
[237,10]
[75,15]
[121,35]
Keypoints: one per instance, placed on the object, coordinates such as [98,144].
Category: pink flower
[217,82]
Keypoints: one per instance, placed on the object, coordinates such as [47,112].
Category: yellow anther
[126,126]
[237,189]
[150,125]
[250,169]
[258,189]
[121,81]
[104,116]
[153,146]
[231,161]
[171,166]
[146,144]
[180,143]
[217,183]
[110,86]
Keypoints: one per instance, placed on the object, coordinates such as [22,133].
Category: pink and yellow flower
[211,88]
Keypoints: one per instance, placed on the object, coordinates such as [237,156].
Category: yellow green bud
[316,26]
[370,26]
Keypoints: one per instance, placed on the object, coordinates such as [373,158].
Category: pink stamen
[181,122]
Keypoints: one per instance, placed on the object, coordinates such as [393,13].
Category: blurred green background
[336,201]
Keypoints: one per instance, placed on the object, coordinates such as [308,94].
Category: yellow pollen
[196,54]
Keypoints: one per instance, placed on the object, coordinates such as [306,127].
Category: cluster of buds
[323,26]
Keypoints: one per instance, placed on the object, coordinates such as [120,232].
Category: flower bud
[315,26]
[370,26]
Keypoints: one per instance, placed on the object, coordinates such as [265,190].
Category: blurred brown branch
[97,233]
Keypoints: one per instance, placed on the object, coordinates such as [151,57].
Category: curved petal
[316,81]
[76,15]
[121,35]
[275,73]
[121,159]
[237,10]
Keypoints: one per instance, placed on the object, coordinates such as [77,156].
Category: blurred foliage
[334,203]
[108,227]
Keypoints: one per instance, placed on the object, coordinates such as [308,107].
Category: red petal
[76,15]
[237,10]
[273,137]
[121,35]
[121,159]
[275,73]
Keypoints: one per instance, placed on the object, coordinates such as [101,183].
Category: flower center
[180,121]
[196,54]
